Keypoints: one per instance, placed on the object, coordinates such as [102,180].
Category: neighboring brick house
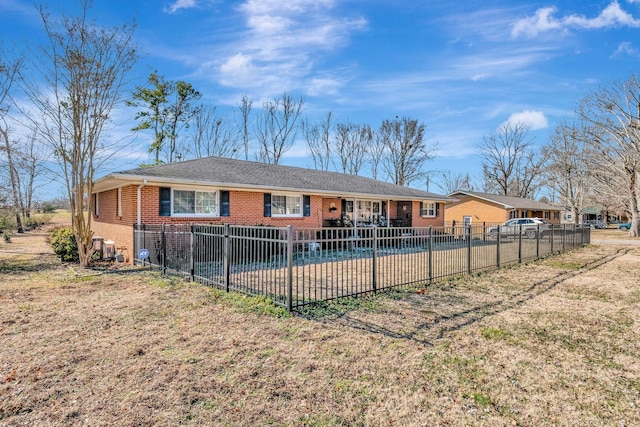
[477,208]
[219,190]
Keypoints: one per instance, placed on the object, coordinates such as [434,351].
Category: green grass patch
[481,399]
[494,333]
[340,307]
[564,265]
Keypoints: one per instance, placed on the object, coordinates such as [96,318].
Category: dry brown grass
[550,343]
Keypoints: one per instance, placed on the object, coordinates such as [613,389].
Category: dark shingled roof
[218,171]
[509,201]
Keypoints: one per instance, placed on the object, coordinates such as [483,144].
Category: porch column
[388,217]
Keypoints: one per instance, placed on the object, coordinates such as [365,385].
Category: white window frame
[119,195]
[373,213]
[424,212]
[195,215]
[297,196]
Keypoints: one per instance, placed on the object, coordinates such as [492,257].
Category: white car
[529,227]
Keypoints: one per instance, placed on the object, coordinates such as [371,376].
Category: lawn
[555,342]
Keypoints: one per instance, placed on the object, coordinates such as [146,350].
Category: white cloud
[544,20]
[282,46]
[180,4]
[541,21]
[626,49]
[534,120]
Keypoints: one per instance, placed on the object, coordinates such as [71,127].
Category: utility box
[109,249]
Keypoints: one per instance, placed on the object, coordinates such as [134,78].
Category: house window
[547,215]
[513,214]
[119,196]
[556,215]
[286,205]
[96,206]
[195,203]
[368,210]
[428,209]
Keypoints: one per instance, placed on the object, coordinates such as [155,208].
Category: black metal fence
[300,266]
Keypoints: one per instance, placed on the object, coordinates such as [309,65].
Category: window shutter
[437,209]
[165,201]
[267,204]
[306,205]
[224,204]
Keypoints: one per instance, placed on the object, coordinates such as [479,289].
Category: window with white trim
[368,210]
[119,195]
[286,205]
[194,203]
[428,209]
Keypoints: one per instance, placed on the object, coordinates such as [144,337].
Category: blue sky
[462,68]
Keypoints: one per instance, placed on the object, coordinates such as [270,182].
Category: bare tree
[245,113]
[350,145]
[449,182]
[318,137]
[83,70]
[614,115]
[568,171]
[9,72]
[376,153]
[510,165]
[277,127]
[214,135]
[406,150]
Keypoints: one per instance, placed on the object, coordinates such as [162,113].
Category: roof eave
[128,179]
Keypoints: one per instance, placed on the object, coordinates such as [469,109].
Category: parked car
[596,223]
[529,227]
[626,226]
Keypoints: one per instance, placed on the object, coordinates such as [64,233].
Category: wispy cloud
[625,49]
[544,20]
[179,4]
[534,120]
[282,44]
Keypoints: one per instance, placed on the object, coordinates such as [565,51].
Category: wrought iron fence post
[520,243]
[468,233]
[164,249]
[564,238]
[430,254]
[192,258]
[289,268]
[374,260]
[553,237]
[538,241]
[497,247]
[226,259]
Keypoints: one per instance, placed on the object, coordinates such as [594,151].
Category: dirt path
[34,241]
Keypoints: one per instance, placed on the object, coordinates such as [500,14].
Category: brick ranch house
[477,208]
[218,190]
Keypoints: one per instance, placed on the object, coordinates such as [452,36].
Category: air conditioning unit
[109,249]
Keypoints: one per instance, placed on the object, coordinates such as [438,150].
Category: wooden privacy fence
[299,266]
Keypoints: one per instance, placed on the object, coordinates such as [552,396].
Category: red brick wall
[246,208]
[108,225]
[418,221]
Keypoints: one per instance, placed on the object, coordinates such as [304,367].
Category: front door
[404,213]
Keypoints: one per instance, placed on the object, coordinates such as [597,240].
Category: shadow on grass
[439,324]
[20,264]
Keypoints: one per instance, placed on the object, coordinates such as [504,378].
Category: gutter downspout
[139,213]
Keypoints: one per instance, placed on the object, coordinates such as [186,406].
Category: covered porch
[369,212]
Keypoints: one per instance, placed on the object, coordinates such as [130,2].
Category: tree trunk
[634,230]
[14,179]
